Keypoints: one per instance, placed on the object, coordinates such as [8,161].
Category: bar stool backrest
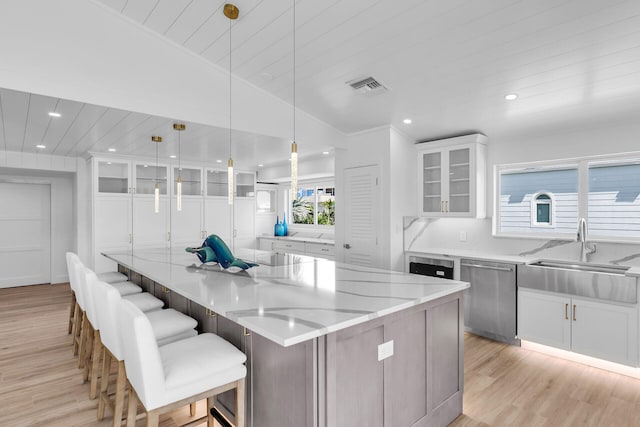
[141,355]
[71,259]
[89,279]
[107,299]
[78,272]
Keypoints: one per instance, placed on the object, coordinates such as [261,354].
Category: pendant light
[179,127]
[231,12]
[156,190]
[294,145]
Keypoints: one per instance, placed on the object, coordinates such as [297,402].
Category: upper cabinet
[113,177]
[452,177]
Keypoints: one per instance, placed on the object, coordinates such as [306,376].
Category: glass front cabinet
[452,177]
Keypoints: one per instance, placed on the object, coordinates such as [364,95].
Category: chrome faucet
[585,248]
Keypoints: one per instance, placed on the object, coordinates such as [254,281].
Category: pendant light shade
[230,180]
[179,127]
[294,170]
[232,12]
[156,190]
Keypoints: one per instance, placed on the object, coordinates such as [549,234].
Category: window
[314,205]
[543,210]
[539,200]
[613,201]
[265,201]
[548,199]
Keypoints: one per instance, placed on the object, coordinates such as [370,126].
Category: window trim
[582,164]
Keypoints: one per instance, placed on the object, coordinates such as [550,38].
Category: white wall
[83,51]
[393,152]
[402,193]
[63,231]
[614,138]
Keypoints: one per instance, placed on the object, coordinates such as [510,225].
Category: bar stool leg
[118,407]
[104,383]
[95,363]
[240,407]
[132,408]
[84,333]
[72,309]
[77,329]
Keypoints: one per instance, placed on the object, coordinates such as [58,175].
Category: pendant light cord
[294,70]
[230,87]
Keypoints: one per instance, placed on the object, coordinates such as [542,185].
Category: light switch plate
[463,236]
[385,350]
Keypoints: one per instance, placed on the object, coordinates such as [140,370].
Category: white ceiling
[447,63]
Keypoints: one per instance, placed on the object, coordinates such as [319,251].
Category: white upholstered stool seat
[169,325]
[112,277]
[126,288]
[145,301]
[180,373]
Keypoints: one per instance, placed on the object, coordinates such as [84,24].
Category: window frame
[583,164]
[315,184]
[550,201]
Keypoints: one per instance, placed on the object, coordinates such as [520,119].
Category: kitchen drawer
[321,249]
[284,246]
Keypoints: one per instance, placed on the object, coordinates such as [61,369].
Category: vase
[279,229]
[275,227]
[284,224]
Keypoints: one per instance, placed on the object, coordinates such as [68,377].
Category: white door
[362,207]
[186,225]
[150,229]
[112,229]
[25,234]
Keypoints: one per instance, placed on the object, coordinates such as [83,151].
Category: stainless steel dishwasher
[490,304]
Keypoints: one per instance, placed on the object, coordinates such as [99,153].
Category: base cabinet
[594,328]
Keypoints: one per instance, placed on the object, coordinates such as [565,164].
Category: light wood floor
[40,384]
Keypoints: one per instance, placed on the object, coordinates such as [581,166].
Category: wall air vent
[367,85]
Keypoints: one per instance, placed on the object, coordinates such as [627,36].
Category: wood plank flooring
[40,384]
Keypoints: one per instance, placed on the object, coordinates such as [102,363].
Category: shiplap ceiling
[83,128]
[447,63]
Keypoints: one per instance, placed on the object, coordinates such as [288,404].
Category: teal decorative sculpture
[214,249]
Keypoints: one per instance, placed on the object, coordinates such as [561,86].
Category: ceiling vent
[367,86]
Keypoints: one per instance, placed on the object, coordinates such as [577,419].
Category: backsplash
[429,234]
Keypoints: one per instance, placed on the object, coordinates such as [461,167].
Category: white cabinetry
[594,328]
[315,249]
[124,216]
[452,177]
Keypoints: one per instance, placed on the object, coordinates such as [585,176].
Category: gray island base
[327,344]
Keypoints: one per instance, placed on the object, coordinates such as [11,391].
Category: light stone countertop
[288,298]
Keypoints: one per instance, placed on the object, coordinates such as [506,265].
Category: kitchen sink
[582,266]
[604,282]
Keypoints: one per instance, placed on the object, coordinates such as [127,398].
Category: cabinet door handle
[130,238]
[169,235]
[566,312]
[442,206]
[574,312]
[446,206]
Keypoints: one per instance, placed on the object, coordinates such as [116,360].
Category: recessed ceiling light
[407,121]
[146,166]
[108,163]
[511,96]
[218,161]
[41,146]
[173,156]
[112,150]
[325,152]
[260,165]
[54,114]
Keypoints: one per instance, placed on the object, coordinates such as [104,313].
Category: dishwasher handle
[487,267]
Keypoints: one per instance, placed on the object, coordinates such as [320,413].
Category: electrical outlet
[385,350]
[463,236]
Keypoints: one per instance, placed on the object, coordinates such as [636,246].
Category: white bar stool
[168,377]
[167,326]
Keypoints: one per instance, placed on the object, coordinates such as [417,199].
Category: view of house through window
[314,205]
[547,199]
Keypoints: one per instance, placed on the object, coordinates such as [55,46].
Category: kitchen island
[327,344]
